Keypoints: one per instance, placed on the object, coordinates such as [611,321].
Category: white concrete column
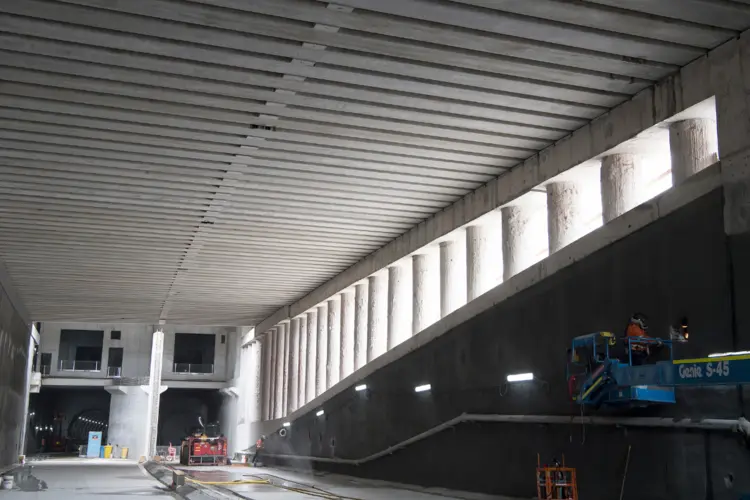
[255,388]
[322,352]
[302,355]
[333,366]
[426,296]
[478,261]
[377,315]
[312,354]
[619,184]
[360,325]
[272,372]
[293,386]
[346,365]
[280,369]
[285,378]
[694,146]
[154,393]
[565,214]
[267,374]
[452,276]
[399,304]
[524,236]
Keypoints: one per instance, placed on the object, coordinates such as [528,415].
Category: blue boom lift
[596,377]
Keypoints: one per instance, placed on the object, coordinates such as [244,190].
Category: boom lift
[597,377]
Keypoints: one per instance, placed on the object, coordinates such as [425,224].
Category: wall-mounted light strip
[320,413]
[422,388]
[361,388]
[520,377]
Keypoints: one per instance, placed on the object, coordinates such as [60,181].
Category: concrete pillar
[312,355]
[346,366]
[255,389]
[694,146]
[333,366]
[293,386]
[360,325]
[154,393]
[565,214]
[285,373]
[619,185]
[399,304]
[302,355]
[520,232]
[267,375]
[322,351]
[377,316]
[426,297]
[478,261]
[278,404]
[452,276]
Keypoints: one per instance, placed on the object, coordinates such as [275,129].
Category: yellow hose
[229,483]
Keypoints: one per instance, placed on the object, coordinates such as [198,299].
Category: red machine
[206,446]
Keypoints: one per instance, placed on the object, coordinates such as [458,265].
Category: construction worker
[258,447]
[637,329]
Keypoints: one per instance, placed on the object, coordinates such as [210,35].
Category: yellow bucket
[108,451]
[124,453]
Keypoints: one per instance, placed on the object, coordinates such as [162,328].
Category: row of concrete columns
[313,351]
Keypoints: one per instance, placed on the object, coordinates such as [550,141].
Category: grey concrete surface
[317,483]
[65,479]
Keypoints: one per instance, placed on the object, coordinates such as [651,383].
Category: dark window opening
[114,362]
[81,350]
[115,335]
[194,353]
[223,339]
[46,364]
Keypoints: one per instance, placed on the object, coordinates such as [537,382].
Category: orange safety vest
[636,331]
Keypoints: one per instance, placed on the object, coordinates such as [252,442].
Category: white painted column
[312,354]
[565,214]
[285,377]
[694,146]
[426,296]
[333,368]
[524,236]
[478,261]
[322,351]
[377,315]
[346,365]
[619,185]
[302,377]
[154,393]
[360,325]
[280,368]
[292,402]
[452,276]
[273,338]
[255,388]
[399,304]
[267,375]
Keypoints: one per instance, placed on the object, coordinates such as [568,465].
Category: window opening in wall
[46,363]
[114,362]
[115,335]
[223,339]
[81,350]
[194,353]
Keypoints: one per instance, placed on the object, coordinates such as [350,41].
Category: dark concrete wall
[14,346]
[179,410]
[677,266]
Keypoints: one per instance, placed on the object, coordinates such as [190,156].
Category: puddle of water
[24,480]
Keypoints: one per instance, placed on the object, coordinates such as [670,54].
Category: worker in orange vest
[258,447]
[637,329]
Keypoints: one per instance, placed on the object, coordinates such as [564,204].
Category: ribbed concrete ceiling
[209,161]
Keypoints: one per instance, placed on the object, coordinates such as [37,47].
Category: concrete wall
[14,346]
[127,424]
[136,344]
[676,266]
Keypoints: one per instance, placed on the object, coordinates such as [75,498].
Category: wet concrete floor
[81,479]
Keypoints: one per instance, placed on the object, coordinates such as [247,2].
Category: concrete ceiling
[209,161]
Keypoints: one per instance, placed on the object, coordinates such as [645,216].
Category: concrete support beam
[255,387]
[694,145]
[286,375]
[452,276]
[565,213]
[302,377]
[481,260]
[312,355]
[346,365]
[425,283]
[154,393]
[523,226]
[619,184]
[278,405]
[267,342]
[321,356]
[360,325]
[273,364]
[377,315]
[293,388]
[399,304]
[333,365]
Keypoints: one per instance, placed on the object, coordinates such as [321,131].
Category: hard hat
[640,320]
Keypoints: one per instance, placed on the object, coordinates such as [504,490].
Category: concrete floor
[81,479]
[319,485]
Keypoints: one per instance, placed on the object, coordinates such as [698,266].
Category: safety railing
[114,371]
[44,370]
[79,366]
[190,368]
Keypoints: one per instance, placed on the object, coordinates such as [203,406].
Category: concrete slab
[81,479]
[286,484]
